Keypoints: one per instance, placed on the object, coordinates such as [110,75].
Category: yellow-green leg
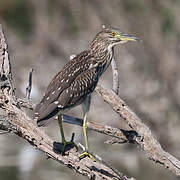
[86,106]
[64,142]
[85,131]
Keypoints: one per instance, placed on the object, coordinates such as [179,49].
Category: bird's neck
[102,55]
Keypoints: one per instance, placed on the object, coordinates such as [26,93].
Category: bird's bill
[126,37]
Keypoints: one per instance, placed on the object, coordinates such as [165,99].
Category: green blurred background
[42,34]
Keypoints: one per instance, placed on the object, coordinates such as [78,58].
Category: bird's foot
[65,145]
[86,154]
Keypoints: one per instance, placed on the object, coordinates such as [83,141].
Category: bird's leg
[64,142]
[86,106]
[85,131]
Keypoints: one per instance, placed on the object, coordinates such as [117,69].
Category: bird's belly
[77,102]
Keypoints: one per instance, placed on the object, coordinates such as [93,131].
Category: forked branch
[147,142]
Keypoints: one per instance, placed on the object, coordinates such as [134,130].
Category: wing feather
[61,85]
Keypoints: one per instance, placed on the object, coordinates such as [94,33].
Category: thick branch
[23,126]
[5,66]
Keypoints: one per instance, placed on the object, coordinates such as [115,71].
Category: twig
[29,87]
[25,102]
[115,76]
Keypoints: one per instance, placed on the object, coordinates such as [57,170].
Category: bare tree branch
[25,102]
[5,66]
[120,135]
[16,121]
[147,142]
[115,76]
[140,134]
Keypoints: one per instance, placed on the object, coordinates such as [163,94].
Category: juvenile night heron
[74,84]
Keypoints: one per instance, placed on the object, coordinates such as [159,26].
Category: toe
[86,154]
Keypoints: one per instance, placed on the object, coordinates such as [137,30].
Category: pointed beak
[126,37]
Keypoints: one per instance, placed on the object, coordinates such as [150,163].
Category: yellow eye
[113,33]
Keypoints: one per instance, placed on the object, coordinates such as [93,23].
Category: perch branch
[147,142]
[140,133]
[122,136]
[18,122]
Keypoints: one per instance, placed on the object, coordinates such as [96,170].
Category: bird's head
[109,37]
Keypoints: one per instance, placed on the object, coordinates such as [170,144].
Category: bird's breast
[104,64]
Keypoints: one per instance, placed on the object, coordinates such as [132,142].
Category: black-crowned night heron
[74,84]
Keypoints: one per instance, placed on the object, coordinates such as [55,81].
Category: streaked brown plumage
[74,84]
[68,88]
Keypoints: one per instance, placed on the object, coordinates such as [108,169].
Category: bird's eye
[113,33]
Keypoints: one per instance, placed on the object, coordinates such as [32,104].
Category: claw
[86,154]
[68,143]
[73,143]
[65,143]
